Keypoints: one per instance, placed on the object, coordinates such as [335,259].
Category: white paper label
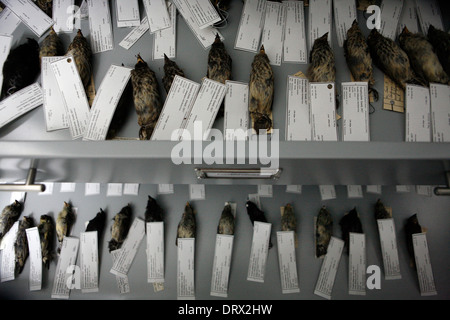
[63,282]
[440,112]
[101,34]
[20,103]
[204,12]
[344,15]
[127,13]
[92,189]
[295,48]
[67,187]
[73,94]
[330,264]
[354,191]
[155,252]
[9,254]
[121,280]
[30,14]
[265,191]
[63,15]
[390,17]
[259,251]
[376,189]
[221,265]
[106,101]
[131,189]
[177,107]
[323,111]
[164,41]
[298,116]
[388,242]
[287,262]
[89,261]
[251,25]
[5,46]
[165,189]
[428,12]
[425,190]
[357,264]
[186,269]
[19,196]
[327,192]
[423,264]
[35,254]
[236,116]
[205,36]
[114,190]
[320,17]
[294,189]
[158,17]
[418,116]
[273,32]
[129,248]
[135,34]
[48,189]
[197,192]
[8,21]
[355,111]
[408,17]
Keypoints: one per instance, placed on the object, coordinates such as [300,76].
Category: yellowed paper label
[394,96]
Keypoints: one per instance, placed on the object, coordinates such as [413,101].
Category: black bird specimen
[412,226]
[350,223]
[381,211]
[97,223]
[255,214]
[324,231]
[441,44]
[153,212]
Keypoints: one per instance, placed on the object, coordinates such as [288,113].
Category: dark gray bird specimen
[187,227]
[81,51]
[153,212]
[288,220]
[424,60]
[46,230]
[147,99]
[9,216]
[322,67]
[97,223]
[46,6]
[255,214]
[21,244]
[64,222]
[21,68]
[412,226]
[52,46]
[324,231]
[171,69]
[441,44]
[381,211]
[350,223]
[261,89]
[226,222]
[120,228]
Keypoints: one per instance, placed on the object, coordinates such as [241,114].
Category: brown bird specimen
[424,60]
[120,228]
[52,46]
[391,59]
[21,244]
[261,89]
[82,54]
[322,67]
[358,57]
[219,65]
[64,223]
[10,214]
[187,227]
[46,6]
[227,221]
[147,100]
[46,229]
[441,44]
[363,4]
[171,69]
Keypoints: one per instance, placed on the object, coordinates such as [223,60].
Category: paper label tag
[164,41]
[127,13]
[73,94]
[8,261]
[106,101]
[440,112]
[428,12]
[92,189]
[35,253]
[158,17]
[408,18]
[30,14]
[265,190]
[155,252]
[121,280]
[67,187]
[344,15]
[63,15]
[131,189]
[55,113]
[320,17]
[388,242]
[205,36]
[221,265]
[390,17]
[294,189]
[330,264]
[298,116]
[236,110]
[114,190]
[177,107]
[186,269]
[8,21]
[259,251]
[62,284]
[287,262]
[251,26]
[357,264]
[135,34]
[295,49]
[394,96]
[89,261]
[327,192]
[354,192]
[425,190]
[418,114]
[165,189]
[129,248]
[101,34]
[204,12]
[273,32]
[323,111]
[20,103]
[423,264]
[5,46]
[197,192]
[255,199]
[373,189]
[403,188]
[355,111]
[19,196]
[205,108]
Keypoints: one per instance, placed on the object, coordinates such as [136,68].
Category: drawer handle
[262,173]
[441,191]
[29,185]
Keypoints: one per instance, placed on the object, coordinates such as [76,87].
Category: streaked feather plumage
[46,230]
[323,66]
[381,212]
[64,222]
[171,69]
[81,51]
[21,244]
[323,232]
[120,228]
[187,227]
[52,46]
[9,216]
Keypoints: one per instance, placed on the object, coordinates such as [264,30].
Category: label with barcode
[8,263]
[204,12]
[35,253]
[157,15]
[236,110]
[408,18]
[429,13]
[101,34]
[344,15]
[8,21]
[164,41]
[127,13]
[63,16]
[135,34]
[323,111]
[259,251]
[320,17]
[390,16]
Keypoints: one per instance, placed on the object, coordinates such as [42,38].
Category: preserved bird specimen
[153,212]
[226,222]
[324,231]
[120,228]
[81,51]
[171,69]
[9,216]
[52,46]
[441,44]
[381,211]
[21,243]
[322,67]
[350,223]
[187,227]
[46,230]
[64,223]
[255,214]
